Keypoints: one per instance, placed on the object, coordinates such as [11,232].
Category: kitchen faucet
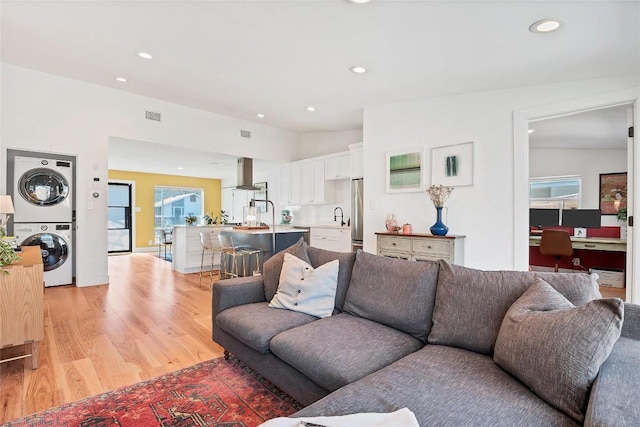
[335,216]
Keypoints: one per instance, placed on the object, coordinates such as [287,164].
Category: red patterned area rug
[221,393]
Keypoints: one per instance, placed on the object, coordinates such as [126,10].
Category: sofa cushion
[341,349]
[319,257]
[256,324]
[272,267]
[393,292]
[618,379]
[470,304]
[555,348]
[444,386]
[305,289]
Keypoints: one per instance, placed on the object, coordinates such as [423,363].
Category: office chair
[556,243]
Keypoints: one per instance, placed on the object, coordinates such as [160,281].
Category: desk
[609,244]
[21,303]
[593,252]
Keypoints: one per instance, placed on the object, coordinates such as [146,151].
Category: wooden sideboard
[422,247]
[21,303]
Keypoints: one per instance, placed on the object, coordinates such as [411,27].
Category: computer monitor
[544,217]
[582,218]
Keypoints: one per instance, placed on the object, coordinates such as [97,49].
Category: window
[172,204]
[556,192]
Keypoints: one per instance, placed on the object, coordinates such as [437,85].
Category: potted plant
[7,254]
[622,218]
[190,219]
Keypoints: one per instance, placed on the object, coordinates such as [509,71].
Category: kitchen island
[187,250]
[262,239]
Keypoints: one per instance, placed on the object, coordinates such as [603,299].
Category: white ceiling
[140,156]
[601,129]
[240,58]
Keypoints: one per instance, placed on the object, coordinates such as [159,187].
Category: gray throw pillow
[319,257]
[555,348]
[393,292]
[470,304]
[272,267]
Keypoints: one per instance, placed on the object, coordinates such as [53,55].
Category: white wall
[46,113]
[315,144]
[483,212]
[588,164]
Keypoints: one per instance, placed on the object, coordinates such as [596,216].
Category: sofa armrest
[229,293]
[631,323]
[613,400]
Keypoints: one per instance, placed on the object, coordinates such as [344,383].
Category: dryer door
[54,248]
[43,187]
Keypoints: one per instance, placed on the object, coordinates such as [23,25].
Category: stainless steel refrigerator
[356,213]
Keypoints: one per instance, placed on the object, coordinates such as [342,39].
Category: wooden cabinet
[331,238]
[187,248]
[312,183]
[356,158]
[338,167]
[21,303]
[422,247]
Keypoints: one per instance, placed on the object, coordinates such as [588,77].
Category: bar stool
[164,238]
[248,253]
[209,245]
[229,253]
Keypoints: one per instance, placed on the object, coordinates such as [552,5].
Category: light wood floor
[148,321]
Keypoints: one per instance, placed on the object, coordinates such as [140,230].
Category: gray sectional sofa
[456,346]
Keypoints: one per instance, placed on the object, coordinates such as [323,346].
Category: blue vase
[439,229]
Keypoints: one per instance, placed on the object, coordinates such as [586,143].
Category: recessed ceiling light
[180,167]
[216,164]
[358,69]
[311,108]
[359,1]
[121,79]
[260,115]
[532,130]
[145,55]
[546,25]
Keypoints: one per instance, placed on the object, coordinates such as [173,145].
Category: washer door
[53,247]
[43,187]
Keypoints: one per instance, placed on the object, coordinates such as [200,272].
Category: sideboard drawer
[431,247]
[395,243]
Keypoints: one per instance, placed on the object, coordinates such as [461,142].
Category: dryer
[56,247]
[42,190]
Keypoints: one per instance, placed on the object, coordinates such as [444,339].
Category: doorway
[119,218]
[522,121]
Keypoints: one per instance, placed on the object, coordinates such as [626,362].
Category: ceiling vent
[245,134]
[151,115]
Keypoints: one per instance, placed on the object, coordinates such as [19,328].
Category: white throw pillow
[305,289]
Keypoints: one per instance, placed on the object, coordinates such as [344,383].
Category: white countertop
[334,225]
[279,230]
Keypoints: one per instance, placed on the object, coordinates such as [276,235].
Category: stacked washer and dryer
[44,213]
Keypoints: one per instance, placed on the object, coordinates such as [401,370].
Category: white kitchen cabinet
[338,167]
[312,183]
[233,201]
[290,185]
[331,238]
[422,247]
[187,249]
[357,162]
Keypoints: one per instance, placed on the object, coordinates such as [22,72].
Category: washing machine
[42,190]
[56,247]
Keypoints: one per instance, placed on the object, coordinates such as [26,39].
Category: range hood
[245,174]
